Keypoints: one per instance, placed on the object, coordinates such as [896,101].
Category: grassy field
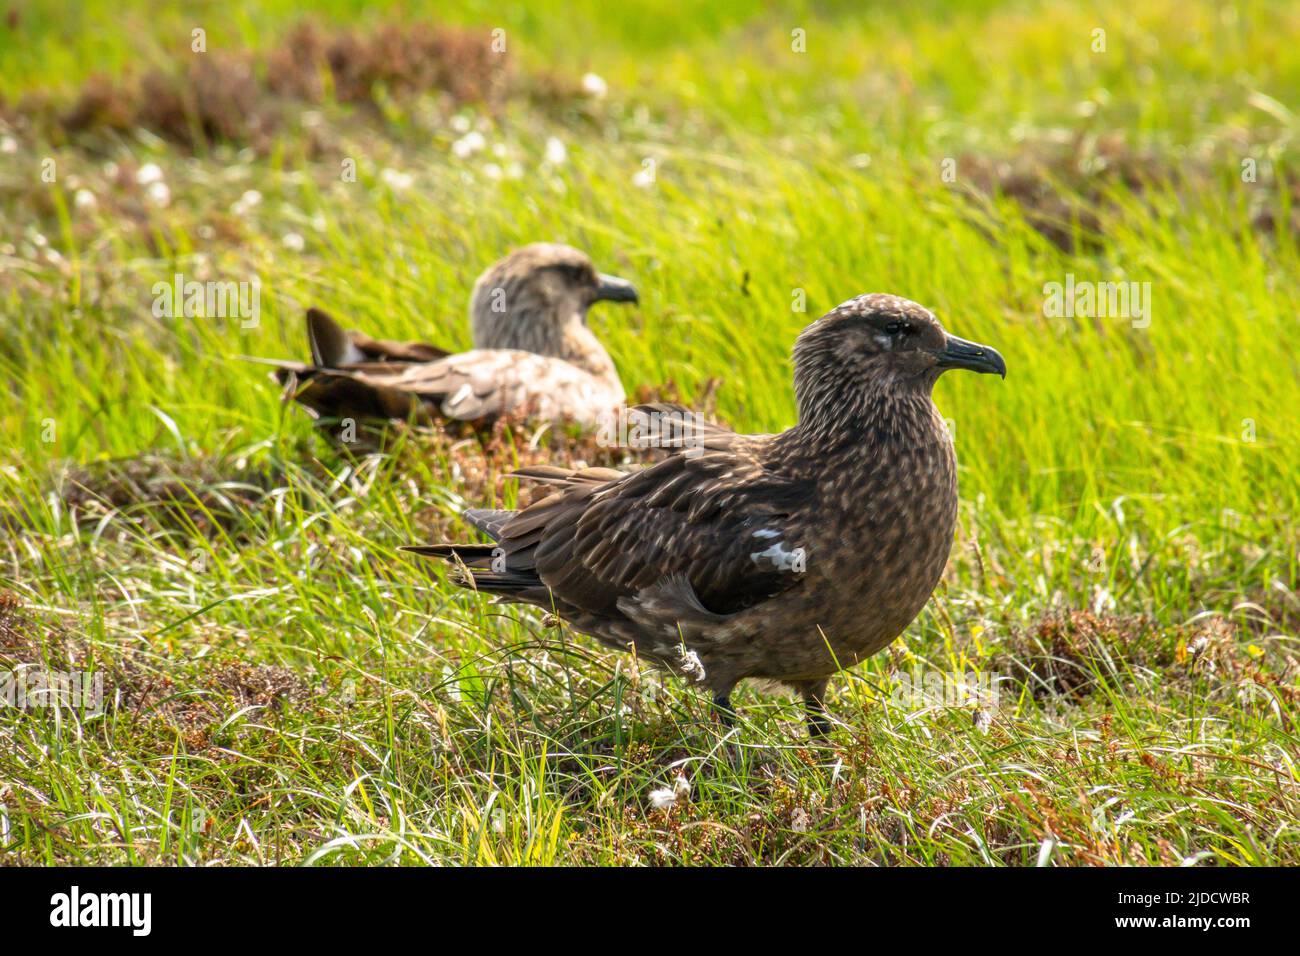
[282,686]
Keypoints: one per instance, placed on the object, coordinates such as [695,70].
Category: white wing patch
[351,355]
[782,558]
[462,393]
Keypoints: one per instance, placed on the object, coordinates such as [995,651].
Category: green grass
[293,690]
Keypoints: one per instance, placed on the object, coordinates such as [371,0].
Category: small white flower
[8,144]
[594,85]
[396,180]
[158,194]
[644,179]
[460,124]
[84,199]
[665,798]
[1045,851]
[246,203]
[202,267]
[452,685]
[149,173]
[492,171]
[293,241]
[469,144]
[556,153]
[499,150]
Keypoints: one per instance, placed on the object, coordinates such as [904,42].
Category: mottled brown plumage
[777,557]
[534,354]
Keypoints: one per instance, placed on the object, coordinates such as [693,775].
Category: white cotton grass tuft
[451,683]
[1103,602]
[158,194]
[556,152]
[692,666]
[149,173]
[396,180]
[469,144]
[246,203]
[665,798]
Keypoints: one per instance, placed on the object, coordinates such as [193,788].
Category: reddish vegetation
[198,492]
[1266,218]
[241,97]
[144,690]
[1061,187]
[398,58]
[195,703]
[1064,190]
[1067,653]
[25,639]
